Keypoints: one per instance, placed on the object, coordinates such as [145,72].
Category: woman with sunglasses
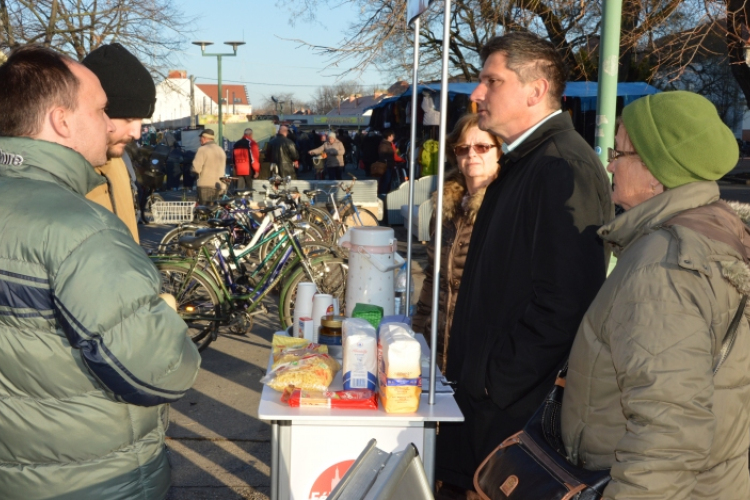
[646,392]
[475,154]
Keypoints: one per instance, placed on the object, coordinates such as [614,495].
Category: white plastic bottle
[403,303]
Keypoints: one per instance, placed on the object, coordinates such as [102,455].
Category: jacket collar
[554,125]
[649,215]
[21,157]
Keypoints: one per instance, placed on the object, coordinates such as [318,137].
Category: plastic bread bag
[399,369]
[311,372]
[355,399]
[287,355]
[280,342]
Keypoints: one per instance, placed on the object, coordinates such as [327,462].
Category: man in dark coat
[535,261]
[283,153]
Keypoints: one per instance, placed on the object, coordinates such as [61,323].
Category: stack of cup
[303,305]
[322,306]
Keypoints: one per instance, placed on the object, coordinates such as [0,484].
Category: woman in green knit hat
[643,394]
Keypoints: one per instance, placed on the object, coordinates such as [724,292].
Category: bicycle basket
[172,212]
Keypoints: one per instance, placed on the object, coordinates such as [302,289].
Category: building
[173,103]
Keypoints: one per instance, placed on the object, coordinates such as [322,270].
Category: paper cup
[322,306]
[303,304]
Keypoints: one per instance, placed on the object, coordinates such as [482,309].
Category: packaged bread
[313,371]
[399,369]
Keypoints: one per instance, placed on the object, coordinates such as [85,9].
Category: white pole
[412,162]
[439,209]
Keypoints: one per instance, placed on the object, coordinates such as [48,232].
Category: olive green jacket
[641,396]
[89,353]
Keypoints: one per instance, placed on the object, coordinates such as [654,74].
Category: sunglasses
[479,148]
[613,154]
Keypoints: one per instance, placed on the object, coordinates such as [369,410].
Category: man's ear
[59,119]
[539,91]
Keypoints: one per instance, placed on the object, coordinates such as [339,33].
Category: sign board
[321,454]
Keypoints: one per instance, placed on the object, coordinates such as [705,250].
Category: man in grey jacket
[210,165]
[89,354]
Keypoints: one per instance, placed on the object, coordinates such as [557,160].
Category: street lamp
[203,45]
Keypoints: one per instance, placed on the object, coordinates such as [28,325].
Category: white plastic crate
[172,212]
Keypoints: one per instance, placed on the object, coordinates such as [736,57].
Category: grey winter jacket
[640,395]
[89,354]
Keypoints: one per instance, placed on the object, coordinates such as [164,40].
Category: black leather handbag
[531,465]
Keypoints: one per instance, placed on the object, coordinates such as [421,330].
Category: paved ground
[220,450]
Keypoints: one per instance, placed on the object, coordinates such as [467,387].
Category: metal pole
[412,160]
[609,58]
[439,208]
[220,142]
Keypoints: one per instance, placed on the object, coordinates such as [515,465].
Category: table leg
[428,457]
[274,460]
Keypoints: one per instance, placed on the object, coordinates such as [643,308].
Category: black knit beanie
[129,87]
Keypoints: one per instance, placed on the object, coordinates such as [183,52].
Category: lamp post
[203,45]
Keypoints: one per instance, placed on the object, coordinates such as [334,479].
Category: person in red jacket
[247,158]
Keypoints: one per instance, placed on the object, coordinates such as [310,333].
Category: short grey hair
[248,131]
[332,135]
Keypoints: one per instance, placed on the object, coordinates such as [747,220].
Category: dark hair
[386,132]
[531,57]
[459,131]
[32,81]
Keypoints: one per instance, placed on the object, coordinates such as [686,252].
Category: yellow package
[284,342]
[311,372]
[399,369]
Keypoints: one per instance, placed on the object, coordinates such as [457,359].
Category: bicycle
[208,294]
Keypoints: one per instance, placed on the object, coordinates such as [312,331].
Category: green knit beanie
[680,137]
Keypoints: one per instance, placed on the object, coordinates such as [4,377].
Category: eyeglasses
[613,154]
[480,149]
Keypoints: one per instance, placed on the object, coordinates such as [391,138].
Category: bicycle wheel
[366,218]
[328,274]
[321,219]
[147,215]
[169,244]
[197,302]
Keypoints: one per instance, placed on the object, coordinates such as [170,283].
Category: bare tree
[285,103]
[379,36]
[152,29]
[328,97]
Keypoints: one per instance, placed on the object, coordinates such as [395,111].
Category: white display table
[311,448]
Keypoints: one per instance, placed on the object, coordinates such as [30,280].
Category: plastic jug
[372,259]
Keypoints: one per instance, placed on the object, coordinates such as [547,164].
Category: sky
[273,63]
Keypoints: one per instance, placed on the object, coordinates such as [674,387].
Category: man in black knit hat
[131,96]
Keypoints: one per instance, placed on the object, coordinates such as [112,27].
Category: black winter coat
[283,152]
[534,265]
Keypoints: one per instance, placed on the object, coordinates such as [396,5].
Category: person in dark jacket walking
[535,261]
[283,153]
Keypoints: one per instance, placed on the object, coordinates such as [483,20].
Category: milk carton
[360,354]
[399,369]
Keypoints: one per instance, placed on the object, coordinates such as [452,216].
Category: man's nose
[478,94]
[110,125]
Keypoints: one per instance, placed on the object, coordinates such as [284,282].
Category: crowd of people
[657,353]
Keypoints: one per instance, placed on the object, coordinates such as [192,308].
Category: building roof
[211,90]
[357,105]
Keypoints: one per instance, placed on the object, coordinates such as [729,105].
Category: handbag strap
[726,345]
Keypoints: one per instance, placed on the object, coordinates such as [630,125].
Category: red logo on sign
[328,480]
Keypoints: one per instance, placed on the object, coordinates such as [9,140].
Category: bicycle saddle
[203,210]
[230,222]
[313,192]
[247,192]
[202,236]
